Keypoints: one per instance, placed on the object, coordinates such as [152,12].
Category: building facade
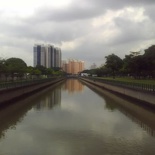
[47,56]
[73,66]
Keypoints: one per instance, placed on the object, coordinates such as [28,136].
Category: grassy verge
[128,79]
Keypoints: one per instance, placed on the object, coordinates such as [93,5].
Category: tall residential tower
[47,56]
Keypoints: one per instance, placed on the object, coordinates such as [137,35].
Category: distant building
[47,56]
[73,66]
[93,66]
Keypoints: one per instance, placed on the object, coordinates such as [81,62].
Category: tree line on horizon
[137,66]
[16,68]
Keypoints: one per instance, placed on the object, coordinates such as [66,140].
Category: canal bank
[148,98]
[144,117]
[8,96]
[73,119]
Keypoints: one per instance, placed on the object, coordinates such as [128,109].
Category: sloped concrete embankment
[144,117]
[10,95]
[144,96]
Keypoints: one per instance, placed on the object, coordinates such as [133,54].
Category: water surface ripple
[73,119]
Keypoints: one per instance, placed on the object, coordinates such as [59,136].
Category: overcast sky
[86,30]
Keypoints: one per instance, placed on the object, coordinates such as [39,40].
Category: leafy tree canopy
[113,62]
[16,65]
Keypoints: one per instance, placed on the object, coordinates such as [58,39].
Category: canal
[75,119]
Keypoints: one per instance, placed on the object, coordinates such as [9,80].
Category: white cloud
[71,45]
[87,30]
[27,8]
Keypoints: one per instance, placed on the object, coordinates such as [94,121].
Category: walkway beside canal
[147,97]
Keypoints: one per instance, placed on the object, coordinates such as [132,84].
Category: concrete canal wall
[8,96]
[144,96]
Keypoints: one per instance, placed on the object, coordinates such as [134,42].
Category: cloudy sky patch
[85,29]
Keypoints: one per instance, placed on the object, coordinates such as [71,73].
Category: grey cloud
[120,3]
[48,31]
[48,25]
[89,52]
[70,14]
[51,25]
[81,10]
[131,31]
[150,12]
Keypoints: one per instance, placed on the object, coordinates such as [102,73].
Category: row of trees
[17,68]
[135,65]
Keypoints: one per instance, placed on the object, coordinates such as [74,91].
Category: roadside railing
[23,83]
[133,85]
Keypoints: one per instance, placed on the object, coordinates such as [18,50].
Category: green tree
[149,57]
[15,67]
[58,73]
[126,64]
[49,72]
[30,71]
[2,67]
[137,66]
[103,71]
[36,72]
[42,69]
[114,63]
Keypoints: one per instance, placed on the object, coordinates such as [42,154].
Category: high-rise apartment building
[38,55]
[47,56]
[57,56]
[73,66]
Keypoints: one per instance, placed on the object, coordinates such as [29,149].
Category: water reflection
[13,114]
[54,97]
[73,85]
[143,116]
[86,123]
[49,100]
[148,127]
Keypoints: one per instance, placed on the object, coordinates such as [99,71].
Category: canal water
[76,119]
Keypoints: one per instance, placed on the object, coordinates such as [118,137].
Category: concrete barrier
[147,97]
[8,96]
